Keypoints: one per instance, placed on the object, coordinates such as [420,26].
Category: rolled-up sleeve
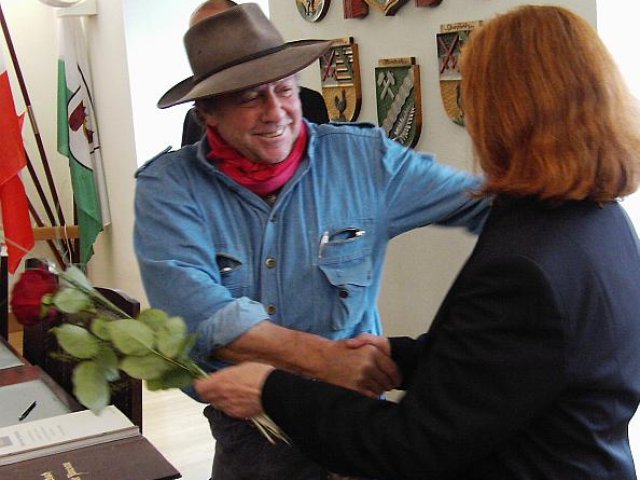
[177,261]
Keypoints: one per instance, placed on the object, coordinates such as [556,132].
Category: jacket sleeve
[178,261]
[491,364]
[405,352]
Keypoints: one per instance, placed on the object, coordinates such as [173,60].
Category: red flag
[18,233]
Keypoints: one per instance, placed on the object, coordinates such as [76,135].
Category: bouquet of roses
[105,340]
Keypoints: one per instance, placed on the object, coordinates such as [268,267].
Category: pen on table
[27,411]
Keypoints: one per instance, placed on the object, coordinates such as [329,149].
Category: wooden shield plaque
[340,79]
[450,42]
[355,8]
[428,3]
[389,7]
[398,98]
[312,10]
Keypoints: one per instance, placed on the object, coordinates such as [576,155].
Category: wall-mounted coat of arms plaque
[398,98]
[355,8]
[312,10]
[428,3]
[360,8]
[450,42]
[389,7]
[340,79]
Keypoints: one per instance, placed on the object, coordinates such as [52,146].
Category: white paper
[62,433]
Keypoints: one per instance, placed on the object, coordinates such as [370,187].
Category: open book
[8,359]
[62,433]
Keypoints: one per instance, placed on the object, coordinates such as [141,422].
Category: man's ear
[206,117]
[205,112]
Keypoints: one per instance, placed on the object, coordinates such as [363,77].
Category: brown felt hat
[236,49]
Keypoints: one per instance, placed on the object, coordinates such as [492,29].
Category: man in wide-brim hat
[268,236]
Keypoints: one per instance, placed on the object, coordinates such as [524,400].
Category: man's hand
[360,366]
[236,390]
[381,343]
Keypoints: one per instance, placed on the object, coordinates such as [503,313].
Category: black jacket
[531,369]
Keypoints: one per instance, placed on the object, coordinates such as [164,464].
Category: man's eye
[285,92]
[247,99]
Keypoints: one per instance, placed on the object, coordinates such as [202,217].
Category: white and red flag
[16,224]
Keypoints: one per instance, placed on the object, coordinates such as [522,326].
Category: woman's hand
[235,390]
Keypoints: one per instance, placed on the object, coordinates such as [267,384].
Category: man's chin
[275,156]
[274,160]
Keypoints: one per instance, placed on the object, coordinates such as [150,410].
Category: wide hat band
[236,49]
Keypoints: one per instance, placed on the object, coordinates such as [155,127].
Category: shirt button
[270,262]
[343,293]
[271,309]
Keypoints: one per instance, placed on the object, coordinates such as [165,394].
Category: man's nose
[272,108]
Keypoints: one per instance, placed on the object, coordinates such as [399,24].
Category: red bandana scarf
[261,178]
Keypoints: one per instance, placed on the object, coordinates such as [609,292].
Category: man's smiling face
[262,122]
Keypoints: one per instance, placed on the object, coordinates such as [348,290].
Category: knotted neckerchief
[263,179]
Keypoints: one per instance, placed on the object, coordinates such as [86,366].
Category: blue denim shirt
[223,259]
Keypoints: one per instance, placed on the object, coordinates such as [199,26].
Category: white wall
[420,265]
[156,61]
[614,25]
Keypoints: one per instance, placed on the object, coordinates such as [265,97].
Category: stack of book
[81,445]
[44,433]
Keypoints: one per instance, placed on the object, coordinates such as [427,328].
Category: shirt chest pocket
[345,261]
[233,272]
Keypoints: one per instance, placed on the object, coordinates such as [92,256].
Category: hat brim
[278,65]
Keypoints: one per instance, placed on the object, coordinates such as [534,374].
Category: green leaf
[100,328]
[70,300]
[76,341]
[107,360]
[145,368]
[174,378]
[154,318]
[155,384]
[187,344]
[47,299]
[171,336]
[131,337]
[90,386]
[74,275]
[46,303]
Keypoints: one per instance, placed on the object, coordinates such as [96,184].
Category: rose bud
[28,293]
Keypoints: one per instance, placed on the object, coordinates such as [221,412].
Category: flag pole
[52,245]
[36,181]
[45,203]
[34,125]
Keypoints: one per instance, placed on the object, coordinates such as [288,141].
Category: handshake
[362,364]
